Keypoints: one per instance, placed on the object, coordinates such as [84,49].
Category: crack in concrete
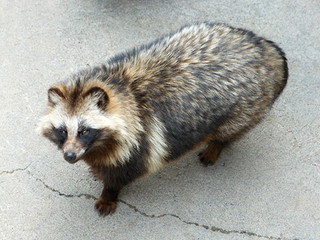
[212,228]
[87,196]
[15,170]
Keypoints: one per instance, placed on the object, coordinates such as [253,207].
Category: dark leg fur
[211,154]
[107,203]
[115,178]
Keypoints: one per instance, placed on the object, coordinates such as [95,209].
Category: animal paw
[206,160]
[104,207]
[211,154]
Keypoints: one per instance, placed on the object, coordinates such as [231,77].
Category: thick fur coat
[206,83]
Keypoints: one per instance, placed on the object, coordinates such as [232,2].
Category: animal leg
[211,154]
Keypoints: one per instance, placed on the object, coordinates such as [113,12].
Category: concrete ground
[265,186]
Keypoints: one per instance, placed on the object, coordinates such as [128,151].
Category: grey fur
[206,83]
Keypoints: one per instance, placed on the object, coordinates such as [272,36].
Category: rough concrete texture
[265,186]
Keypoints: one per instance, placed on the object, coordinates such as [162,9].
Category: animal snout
[70,156]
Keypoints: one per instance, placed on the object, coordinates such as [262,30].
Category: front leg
[115,178]
[107,203]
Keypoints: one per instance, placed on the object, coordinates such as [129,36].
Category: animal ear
[99,97]
[55,95]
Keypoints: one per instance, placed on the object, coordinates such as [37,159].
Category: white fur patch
[158,146]
[57,119]
[127,130]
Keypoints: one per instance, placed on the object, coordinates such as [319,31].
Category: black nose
[70,156]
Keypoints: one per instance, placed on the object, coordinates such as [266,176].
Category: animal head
[85,118]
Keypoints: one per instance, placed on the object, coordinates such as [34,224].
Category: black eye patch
[61,135]
[88,135]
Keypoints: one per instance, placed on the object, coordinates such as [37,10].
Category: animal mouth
[72,161]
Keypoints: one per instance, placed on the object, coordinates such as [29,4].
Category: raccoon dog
[206,83]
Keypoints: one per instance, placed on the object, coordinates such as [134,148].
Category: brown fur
[206,83]
[211,154]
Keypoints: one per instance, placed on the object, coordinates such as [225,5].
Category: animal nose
[70,156]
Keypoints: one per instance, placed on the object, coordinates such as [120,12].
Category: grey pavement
[265,186]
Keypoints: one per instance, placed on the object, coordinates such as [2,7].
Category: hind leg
[211,154]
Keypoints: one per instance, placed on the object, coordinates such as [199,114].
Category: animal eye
[84,132]
[63,132]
